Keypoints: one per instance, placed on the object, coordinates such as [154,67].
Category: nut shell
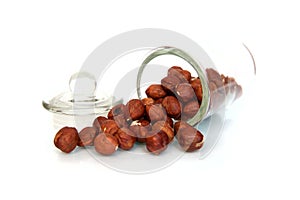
[106,144]
[87,136]
[66,139]
[125,138]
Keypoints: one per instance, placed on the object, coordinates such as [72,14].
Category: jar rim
[167,50]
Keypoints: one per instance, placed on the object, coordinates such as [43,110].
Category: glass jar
[218,90]
[117,84]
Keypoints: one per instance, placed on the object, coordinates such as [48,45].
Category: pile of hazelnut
[155,120]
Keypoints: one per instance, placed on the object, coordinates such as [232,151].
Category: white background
[43,43]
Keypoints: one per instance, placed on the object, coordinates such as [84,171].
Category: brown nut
[190,109]
[157,143]
[121,121]
[166,128]
[158,101]
[140,132]
[181,125]
[169,120]
[196,85]
[136,109]
[189,138]
[87,136]
[109,126]
[148,101]
[156,112]
[185,92]
[97,123]
[119,109]
[214,76]
[66,139]
[169,83]
[172,106]
[125,138]
[183,75]
[155,91]
[106,144]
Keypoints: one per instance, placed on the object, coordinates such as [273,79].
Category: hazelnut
[87,136]
[140,132]
[119,109]
[121,121]
[156,112]
[155,91]
[141,129]
[145,123]
[148,101]
[136,109]
[214,76]
[169,120]
[189,138]
[183,75]
[158,101]
[66,139]
[172,106]
[125,138]
[97,123]
[109,126]
[185,92]
[157,143]
[169,83]
[196,85]
[106,144]
[190,109]
[165,127]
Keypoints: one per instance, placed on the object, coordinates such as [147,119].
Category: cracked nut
[66,139]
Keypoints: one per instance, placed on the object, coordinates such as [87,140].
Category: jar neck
[204,107]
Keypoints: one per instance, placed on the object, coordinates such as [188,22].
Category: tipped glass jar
[212,90]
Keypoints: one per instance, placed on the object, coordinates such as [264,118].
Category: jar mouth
[167,50]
